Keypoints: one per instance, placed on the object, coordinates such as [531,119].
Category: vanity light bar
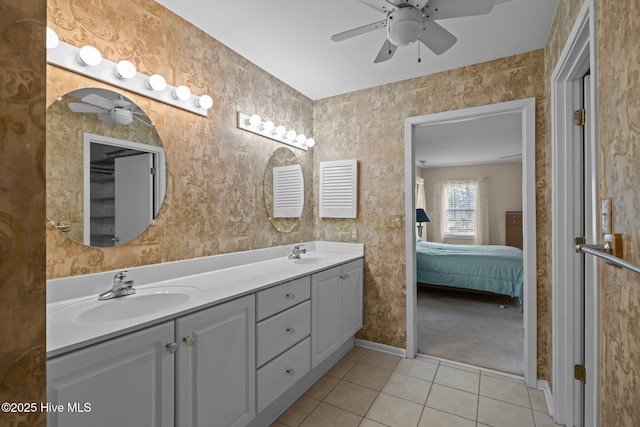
[122,75]
[269,130]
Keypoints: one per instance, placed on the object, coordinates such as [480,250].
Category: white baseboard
[544,386]
[381,347]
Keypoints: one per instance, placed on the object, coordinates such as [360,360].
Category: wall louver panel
[288,191]
[339,189]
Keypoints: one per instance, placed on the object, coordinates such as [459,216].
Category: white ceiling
[290,39]
[488,139]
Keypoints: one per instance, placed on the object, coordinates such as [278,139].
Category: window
[460,213]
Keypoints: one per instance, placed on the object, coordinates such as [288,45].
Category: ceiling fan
[408,21]
[111,111]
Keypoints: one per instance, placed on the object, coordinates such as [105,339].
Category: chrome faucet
[121,287]
[296,252]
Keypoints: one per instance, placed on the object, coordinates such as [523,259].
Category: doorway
[526,109]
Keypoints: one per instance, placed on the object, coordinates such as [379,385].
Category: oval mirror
[105,166]
[284,190]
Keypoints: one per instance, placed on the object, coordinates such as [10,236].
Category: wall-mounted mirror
[106,168]
[284,190]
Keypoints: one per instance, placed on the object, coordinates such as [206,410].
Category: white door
[128,381]
[216,366]
[133,196]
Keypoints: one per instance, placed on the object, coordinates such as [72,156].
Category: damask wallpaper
[22,201]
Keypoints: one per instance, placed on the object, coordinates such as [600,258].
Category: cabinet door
[128,381]
[351,299]
[216,365]
[326,333]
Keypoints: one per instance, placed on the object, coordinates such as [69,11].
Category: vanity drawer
[278,298]
[277,376]
[281,331]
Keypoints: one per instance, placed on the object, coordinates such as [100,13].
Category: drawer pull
[291,372]
[291,330]
[290,295]
[189,341]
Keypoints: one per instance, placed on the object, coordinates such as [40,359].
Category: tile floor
[368,388]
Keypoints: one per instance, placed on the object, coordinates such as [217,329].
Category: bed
[488,268]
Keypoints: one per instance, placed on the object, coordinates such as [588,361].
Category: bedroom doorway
[525,110]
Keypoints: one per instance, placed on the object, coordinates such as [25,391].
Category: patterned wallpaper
[368,125]
[22,202]
[214,201]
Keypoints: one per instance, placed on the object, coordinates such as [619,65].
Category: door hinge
[580,241]
[580,373]
[579,117]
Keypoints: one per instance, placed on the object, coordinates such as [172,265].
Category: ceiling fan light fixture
[405,26]
[117,116]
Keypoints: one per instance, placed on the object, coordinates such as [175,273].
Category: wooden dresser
[514,229]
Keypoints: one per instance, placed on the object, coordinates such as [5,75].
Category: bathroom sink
[144,302]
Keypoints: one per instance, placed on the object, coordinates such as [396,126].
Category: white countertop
[210,281]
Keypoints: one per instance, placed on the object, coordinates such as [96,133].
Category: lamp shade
[422,216]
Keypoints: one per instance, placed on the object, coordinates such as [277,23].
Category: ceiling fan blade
[78,107]
[436,38]
[358,31]
[444,9]
[99,101]
[383,6]
[386,52]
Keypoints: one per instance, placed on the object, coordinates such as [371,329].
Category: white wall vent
[288,191]
[339,189]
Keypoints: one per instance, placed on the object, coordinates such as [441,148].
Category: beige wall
[504,191]
[22,204]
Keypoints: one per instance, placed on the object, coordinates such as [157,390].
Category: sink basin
[144,302]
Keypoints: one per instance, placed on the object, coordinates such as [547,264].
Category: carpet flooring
[471,328]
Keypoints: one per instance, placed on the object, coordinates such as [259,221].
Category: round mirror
[106,168]
[284,190]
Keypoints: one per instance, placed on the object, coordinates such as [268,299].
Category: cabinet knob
[290,295]
[291,372]
[291,330]
[189,340]
[172,347]
[344,276]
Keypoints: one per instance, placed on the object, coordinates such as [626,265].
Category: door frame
[578,56]
[526,108]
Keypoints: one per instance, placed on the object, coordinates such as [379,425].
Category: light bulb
[254,120]
[89,56]
[52,39]
[205,102]
[300,139]
[125,70]
[310,142]
[279,131]
[182,93]
[291,134]
[268,126]
[157,82]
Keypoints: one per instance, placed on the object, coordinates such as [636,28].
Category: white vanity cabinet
[336,308]
[127,381]
[215,366]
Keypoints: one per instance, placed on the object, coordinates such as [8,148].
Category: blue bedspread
[490,268]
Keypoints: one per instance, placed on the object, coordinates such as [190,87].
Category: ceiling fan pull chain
[419,58]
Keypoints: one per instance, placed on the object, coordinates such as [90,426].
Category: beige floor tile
[297,412]
[395,412]
[326,415]
[458,378]
[542,419]
[501,414]
[507,377]
[355,354]
[340,369]
[322,387]
[408,388]
[417,368]
[352,397]
[453,401]
[370,423]
[380,360]
[367,376]
[538,401]
[434,418]
[507,391]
